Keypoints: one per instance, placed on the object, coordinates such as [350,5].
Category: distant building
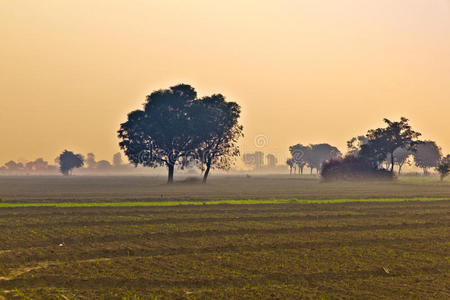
[271,161]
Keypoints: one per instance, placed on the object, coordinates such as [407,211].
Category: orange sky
[304,71]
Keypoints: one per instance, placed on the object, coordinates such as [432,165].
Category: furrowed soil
[283,251]
[368,250]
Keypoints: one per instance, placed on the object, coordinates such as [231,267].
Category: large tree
[163,132]
[69,161]
[384,141]
[177,128]
[427,155]
[217,132]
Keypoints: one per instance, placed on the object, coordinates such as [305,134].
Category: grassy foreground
[232,202]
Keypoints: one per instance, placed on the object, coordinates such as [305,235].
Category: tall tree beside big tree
[162,133]
[444,167]
[401,156]
[427,155]
[384,141]
[217,132]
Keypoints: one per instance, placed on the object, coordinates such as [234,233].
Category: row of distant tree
[374,154]
[311,156]
[65,163]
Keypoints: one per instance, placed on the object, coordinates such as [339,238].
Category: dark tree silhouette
[300,155]
[427,155]
[320,153]
[290,162]
[163,132]
[401,155]
[217,132]
[354,145]
[444,167]
[68,161]
[384,141]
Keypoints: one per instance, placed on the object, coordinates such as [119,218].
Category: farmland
[89,246]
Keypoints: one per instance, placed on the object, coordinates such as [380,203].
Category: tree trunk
[392,161]
[170,178]
[290,171]
[205,176]
[301,170]
[400,168]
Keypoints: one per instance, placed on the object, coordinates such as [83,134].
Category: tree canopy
[382,142]
[175,128]
[69,161]
[427,155]
[217,131]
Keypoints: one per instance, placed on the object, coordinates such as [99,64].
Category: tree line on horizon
[65,163]
[176,128]
[372,155]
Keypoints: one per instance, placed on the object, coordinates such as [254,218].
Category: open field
[118,238]
[134,188]
[357,250]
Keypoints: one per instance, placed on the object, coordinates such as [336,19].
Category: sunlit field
[263,237]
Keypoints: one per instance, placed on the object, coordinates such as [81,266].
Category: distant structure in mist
[260,162]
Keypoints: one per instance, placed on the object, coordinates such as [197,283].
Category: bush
[353,168]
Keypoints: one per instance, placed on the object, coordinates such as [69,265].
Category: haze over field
[303,71]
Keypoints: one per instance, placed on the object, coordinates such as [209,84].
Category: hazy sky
[303,70]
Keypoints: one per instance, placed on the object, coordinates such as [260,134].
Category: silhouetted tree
[444,167]
[320,153]
[90,161]
[401,155]
[300,154]
[37,165]
[290,162]
[217,131]
[12,166]
[163,132]
[68,161]
[384,141]
[354,145]
[117,159]
[427,155]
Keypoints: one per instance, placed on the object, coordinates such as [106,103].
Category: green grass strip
[234,202]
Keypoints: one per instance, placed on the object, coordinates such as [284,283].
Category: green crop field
[268,237]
